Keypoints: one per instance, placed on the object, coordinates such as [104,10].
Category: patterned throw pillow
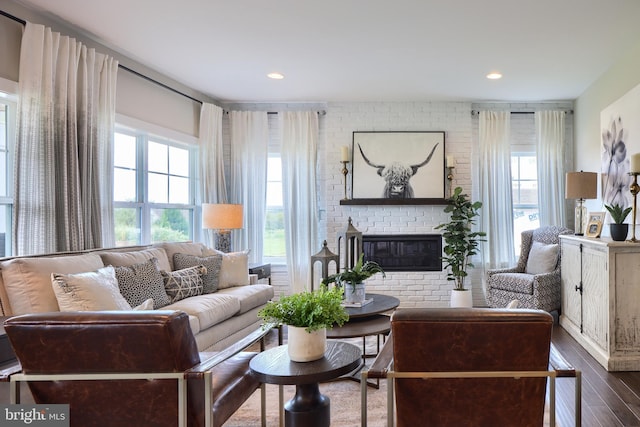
[140,282]
[211,263]
[184,283]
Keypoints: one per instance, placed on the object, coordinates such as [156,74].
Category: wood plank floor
[609,399]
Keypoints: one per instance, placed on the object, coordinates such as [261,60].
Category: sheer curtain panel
[249,144]
[63,159]
[299,144]
[213,184]
[551,171]
[495,188]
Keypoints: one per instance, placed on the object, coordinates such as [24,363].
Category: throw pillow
[184,283]
[146,305]
[542,258]
[139,282]
[234,270]
[211,263]
[90,291]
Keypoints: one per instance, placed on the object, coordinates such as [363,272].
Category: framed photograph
[398,167]
[594,226]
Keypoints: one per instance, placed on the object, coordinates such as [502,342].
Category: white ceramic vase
[304,346]
[354,293]
[461,298]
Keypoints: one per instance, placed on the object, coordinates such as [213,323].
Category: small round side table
[308,408]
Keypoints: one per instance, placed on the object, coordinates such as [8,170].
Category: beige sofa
[217,319]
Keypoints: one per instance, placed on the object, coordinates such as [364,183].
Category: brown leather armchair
[465,367]
[121,368]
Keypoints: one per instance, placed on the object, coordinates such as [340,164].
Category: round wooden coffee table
[308,408]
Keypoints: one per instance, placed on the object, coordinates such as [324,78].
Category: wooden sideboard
[601,299]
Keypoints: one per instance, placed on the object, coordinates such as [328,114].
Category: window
[7,136]
[274,243]
[154,189]
[524,185]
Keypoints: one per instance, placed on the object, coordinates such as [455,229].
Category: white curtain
[213,184]
[551,171]
[63,158]
[496,215]
[249,144]
[299,143]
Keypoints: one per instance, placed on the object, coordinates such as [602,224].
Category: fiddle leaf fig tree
[461,242]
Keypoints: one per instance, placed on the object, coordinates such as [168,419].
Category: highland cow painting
[398,165]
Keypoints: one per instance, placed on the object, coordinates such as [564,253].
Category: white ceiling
[365,50]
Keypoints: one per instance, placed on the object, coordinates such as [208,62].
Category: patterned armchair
[536,291]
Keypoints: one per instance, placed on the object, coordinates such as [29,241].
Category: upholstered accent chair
[452,367]
[535,281]
[129,368]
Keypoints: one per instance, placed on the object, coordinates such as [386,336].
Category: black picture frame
[398,167]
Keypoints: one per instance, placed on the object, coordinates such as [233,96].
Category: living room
[141,102]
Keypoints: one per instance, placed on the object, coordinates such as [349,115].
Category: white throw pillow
[542,258]
[91,291]
[234,270]
[147,305]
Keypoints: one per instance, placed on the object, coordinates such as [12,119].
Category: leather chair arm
[383,360]
[215,358]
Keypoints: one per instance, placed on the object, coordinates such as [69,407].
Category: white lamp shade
[221,216]
[581,185]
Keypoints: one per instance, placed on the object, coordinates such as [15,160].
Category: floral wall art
[620,131]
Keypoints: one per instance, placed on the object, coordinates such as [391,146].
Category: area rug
[344,396]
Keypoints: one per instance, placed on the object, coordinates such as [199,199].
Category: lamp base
[223,241]
[580,218]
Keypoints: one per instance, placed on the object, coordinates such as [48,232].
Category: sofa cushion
[212,263]
[142,281]
[183,283]
[210,309]
[234,270]
[514,282]
[90,291]
[172,248]
[27,281]
[123,259]
[250,297]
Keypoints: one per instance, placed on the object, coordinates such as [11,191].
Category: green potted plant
[355,277]
[461,242]
[307,315]
[618,229]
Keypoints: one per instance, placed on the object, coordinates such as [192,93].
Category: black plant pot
[619,231]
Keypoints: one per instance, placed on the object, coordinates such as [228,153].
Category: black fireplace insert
[404,252]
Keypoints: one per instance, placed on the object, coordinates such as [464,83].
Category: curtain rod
[476,112]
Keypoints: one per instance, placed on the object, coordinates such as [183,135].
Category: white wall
[613,84]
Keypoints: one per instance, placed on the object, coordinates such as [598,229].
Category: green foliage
[461,242]
[359,273]
[174,220]
[618,215]
[309,310]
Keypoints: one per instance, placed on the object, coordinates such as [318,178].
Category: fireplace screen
[404,252]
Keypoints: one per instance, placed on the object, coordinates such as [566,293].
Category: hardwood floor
[609,399]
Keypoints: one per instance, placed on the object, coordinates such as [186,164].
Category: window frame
[142,204]
[7,201]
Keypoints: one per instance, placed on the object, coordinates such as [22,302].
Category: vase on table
[306,346]
[354,293]
[461,298]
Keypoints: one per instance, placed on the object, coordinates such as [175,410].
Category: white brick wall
[414,289]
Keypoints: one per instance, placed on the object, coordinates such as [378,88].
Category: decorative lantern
[325,256]
[352,240]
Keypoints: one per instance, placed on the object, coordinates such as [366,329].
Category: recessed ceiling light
[276,76]
[494,76]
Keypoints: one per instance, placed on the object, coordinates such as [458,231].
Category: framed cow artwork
[403,167]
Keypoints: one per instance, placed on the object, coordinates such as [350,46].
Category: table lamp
[223,218]
[581,186]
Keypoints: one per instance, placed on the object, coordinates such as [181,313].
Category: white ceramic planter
[304,346]
[354,294]
[461,298]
